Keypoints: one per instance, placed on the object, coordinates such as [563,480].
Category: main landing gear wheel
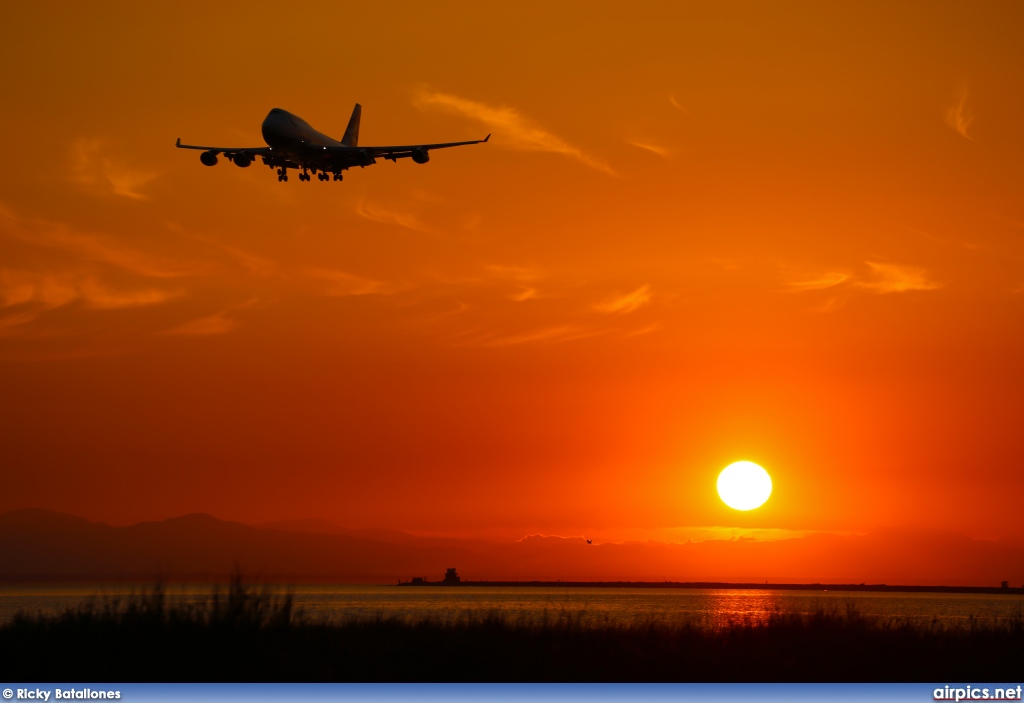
[337,176]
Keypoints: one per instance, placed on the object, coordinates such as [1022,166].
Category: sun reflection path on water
[583,606]
[725,608]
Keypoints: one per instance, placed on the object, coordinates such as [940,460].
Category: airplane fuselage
[290,133]
[292,137]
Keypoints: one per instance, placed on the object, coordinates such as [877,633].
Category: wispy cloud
[563,310]
[524,294]
[93,167]
[509,127]
[341,283]
[646,329]
[52,290]
[882,278]
[253,263]
[390,216]
[830,304]
[524,277]
[726,264]
[94,247]
[653,148]
[960,117]
[98,248]
[893,278]
[101,297]
[820,281]
[675,103]
[46,290]
[626,303]
[545,335]
[1012,222]
[9,321]
[513,273]
[218,323]
[46,266]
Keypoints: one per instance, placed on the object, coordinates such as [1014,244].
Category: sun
[744,485]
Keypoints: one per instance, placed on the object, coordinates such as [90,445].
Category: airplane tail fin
[351,137]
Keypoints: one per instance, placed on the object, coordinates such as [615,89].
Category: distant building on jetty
[451,578]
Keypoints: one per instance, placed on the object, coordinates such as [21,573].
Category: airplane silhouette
[293,143]
[590,541]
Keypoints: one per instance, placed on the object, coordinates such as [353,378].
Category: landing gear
[307,175]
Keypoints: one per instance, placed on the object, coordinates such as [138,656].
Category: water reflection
[710,608]
[725,608]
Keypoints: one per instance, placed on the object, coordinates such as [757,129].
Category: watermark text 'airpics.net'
[977,693]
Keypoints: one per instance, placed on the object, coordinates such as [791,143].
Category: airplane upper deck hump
[351,137]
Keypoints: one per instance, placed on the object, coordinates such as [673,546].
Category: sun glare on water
[744,485]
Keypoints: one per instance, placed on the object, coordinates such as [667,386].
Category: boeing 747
[293,143]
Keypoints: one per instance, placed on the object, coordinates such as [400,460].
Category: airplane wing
[228,151]
[360,155]
[400,151]
[325,158]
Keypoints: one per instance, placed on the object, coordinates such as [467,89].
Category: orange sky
[701,232]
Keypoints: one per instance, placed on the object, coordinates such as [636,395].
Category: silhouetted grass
[245,635]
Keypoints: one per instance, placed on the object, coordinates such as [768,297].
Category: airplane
[293,143]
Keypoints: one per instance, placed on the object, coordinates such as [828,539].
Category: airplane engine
[209,158]
[420,156]
[242,160]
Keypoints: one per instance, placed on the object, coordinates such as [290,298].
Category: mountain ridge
[42,545]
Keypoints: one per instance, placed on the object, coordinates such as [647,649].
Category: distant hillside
[40,545]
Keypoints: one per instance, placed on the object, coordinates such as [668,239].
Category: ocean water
[706,607]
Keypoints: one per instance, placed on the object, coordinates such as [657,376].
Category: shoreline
[274,581]
[718,585]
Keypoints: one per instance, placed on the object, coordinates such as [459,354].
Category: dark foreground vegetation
[245,635]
